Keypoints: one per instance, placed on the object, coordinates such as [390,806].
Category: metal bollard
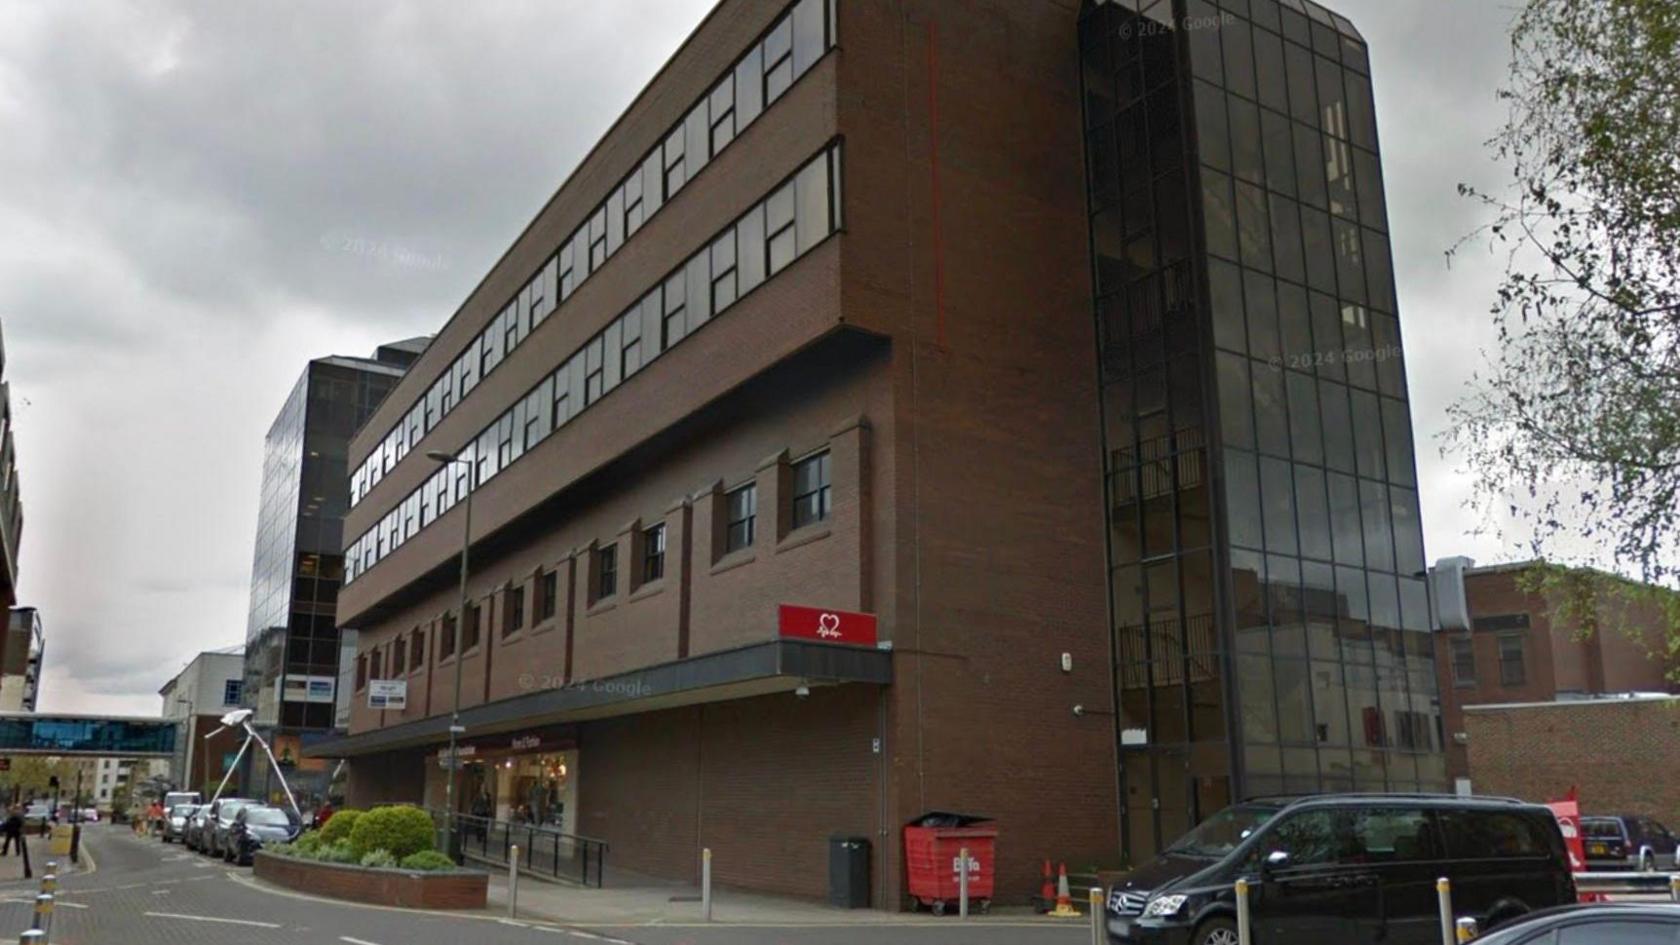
[49,882]
[706,882]
[43,913]
[33,937]
[1468,930]
[1097,931]
[962,883]
[1243,933]
[1674,887]
[1443,890]
[513,883]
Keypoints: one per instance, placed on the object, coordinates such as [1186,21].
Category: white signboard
[387,693]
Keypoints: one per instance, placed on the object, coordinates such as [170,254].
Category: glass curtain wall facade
[292,655]
[1270,611]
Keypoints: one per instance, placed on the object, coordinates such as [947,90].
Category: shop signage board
[826,625]
[387,693]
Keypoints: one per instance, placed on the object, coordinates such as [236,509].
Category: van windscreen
[1221,833]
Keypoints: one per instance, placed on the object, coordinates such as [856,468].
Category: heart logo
[828,626]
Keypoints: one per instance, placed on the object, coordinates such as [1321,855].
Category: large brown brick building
[1525,646]
[873,307]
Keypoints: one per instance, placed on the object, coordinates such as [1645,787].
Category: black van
[1345,868]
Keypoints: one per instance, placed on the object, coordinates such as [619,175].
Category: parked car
[197,824]
[256,825]
[221,823]
[203,828]
[37,813]
[88,815]
[1354,869]
[175,822]
[173,798]
[1619,923]
[1628,841]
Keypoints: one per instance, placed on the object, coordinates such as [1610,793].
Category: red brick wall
[1623,755]
[763,782]
[465,890]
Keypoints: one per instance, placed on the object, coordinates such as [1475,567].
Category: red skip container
[933,845]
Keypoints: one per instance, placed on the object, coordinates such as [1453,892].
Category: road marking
[356,941]
[207,918]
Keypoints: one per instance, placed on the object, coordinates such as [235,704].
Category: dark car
[255,826]
[220,825]
[1627,841]
[201,830]
[1354,869]
[1621,923]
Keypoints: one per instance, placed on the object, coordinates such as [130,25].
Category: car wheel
[1219,931]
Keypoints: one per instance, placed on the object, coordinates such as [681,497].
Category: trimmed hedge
[429,860]
[379,859]
[400,830]
[339,825]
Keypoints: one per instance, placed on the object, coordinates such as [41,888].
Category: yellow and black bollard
[43,914]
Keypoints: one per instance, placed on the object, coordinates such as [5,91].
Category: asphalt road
[142,892]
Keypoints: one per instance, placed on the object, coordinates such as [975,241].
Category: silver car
[175,822]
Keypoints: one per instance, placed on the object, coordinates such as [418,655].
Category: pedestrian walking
[12,830]
[154,817]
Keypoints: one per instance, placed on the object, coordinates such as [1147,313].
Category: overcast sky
[195,199]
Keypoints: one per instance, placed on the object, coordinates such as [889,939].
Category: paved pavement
[134,891]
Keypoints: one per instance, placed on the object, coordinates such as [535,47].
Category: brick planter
[462,889]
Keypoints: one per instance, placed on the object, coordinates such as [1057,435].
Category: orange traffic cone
[1047,892]
[1064,900]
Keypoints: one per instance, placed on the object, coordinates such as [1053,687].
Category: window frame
[1507,679]
[822,494]
[605,560]
[653,553]
[747,522]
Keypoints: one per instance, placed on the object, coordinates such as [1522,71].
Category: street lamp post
[186,760]
[455,727]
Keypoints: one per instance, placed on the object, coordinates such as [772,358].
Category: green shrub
[337,853]
[430,861]
[306,843]
[380,859]
[401,830]
[339,825]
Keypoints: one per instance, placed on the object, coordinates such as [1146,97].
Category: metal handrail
[545,850]
[1629,882]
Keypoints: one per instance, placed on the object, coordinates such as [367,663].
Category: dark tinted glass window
[811,490]
[742,518]
[1626,932]
[1481,834]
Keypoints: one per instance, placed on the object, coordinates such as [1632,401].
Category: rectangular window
[723,113]
[446,639]
[399,657]
[1511,671]
[606,572]
[779,227]
[811,490]
[568,271]
[416,649]
[598,239]
[1463,661]
[673,329]
[470,627]
[548,594]
[740,517]
[562,396]
[633,203]
[630,342]
[361,672]
[594,377]
[232,690]
[513,610]
[778,60]
[653,553]
[674,178]
[723,271]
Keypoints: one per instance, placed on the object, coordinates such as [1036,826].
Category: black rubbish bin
[848,872]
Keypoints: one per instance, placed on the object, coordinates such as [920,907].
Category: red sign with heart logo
[826,626]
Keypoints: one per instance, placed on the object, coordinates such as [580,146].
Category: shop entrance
[538,787]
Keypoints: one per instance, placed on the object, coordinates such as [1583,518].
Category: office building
[206,689]
[992,407]
[11,505]
[20,660]
[291,642]
[1528,644]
